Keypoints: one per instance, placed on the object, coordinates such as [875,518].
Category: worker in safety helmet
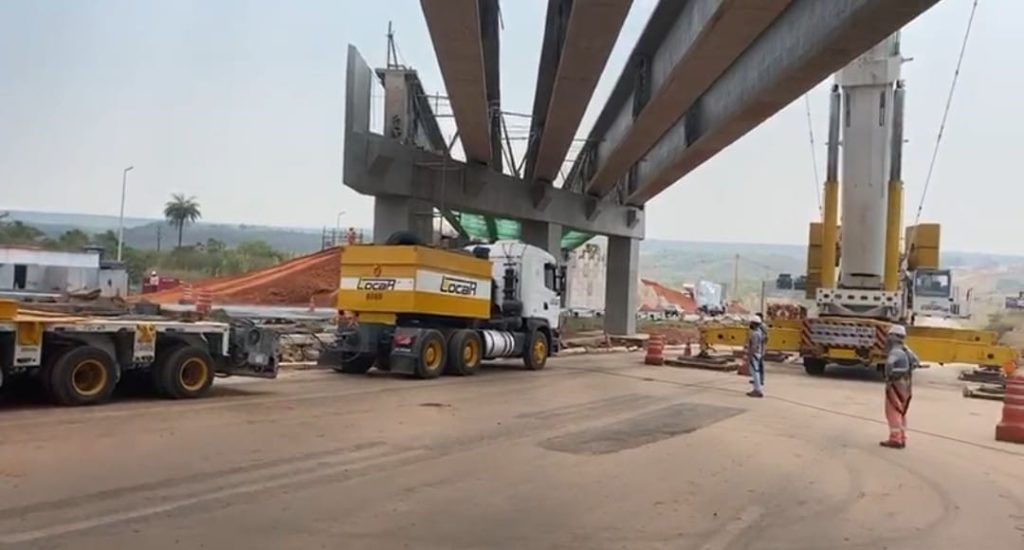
[755,357]
[763,327]
[899,369]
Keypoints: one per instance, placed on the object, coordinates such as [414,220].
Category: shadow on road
[27,393]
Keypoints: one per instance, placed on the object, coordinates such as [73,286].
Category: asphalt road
[594,452]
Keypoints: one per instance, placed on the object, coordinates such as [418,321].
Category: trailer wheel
[45,374]
[465,352]
[186,372]
[358,363]
[82,375]
[431,360]
[814,366]
[535,356]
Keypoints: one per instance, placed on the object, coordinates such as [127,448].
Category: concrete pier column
[392,214]
[623,264]
[544,235]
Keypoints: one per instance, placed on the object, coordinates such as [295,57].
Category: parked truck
[79,360]
[426,311]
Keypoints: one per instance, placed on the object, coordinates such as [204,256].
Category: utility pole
[159,227]
[736,278]
[763,299]
[120,224]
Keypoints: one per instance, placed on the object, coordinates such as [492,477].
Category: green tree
[19,233]
[259,249]
[181,210]
[73,239]
[214,246]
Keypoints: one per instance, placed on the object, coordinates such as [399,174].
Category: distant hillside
[85,222]
[670,262]
[142,232]
[677,262]
[287,240]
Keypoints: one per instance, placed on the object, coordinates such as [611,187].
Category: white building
[585,278]
[32,270]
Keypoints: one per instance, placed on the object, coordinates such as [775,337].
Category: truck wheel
[82,375]
[814,366]
[359,363]
[465,351]
[404,238]
[431,360]
[535,356]
[186,372]
[383,361]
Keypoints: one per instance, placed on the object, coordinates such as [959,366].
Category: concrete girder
[379,166]
[456,30]
[809,40]
[673,70]
[578,40]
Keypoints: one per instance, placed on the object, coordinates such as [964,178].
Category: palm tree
[181,210]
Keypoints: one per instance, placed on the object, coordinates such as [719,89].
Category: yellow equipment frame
[931,344]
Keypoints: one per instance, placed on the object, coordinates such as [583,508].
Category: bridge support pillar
[392,214]
[620,295]
[543,235]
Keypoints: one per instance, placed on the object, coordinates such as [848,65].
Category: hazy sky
[240,103]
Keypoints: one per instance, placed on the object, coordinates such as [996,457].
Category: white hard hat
[898,330]
[756,320]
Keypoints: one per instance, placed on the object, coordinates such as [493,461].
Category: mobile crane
[877,284]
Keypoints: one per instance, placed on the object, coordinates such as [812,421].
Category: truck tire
[465,352]
[359,363]
[814,366]
[383,361]
[45,374]
[403,238]
[431,359]
[535,356]
[184,372]
[82,375]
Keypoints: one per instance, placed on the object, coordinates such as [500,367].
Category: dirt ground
[593,452]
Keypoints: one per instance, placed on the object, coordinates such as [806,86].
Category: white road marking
[732,530]
[63,529]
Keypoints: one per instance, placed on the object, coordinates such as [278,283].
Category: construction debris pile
[292,283]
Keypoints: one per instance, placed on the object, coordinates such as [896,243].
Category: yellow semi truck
[426,311]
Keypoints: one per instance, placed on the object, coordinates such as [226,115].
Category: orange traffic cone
[204,302]
[655,350]
[1011,428]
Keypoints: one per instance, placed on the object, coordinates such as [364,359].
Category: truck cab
[933,294]
[538,279]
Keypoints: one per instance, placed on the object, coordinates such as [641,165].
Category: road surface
[594,452]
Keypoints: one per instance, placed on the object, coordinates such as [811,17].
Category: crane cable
[942,130]
[814,156]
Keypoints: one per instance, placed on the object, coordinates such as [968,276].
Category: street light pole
[120,223]
[337,227]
